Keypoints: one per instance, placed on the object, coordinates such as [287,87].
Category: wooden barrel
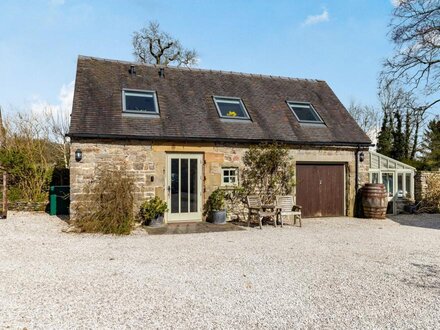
[374,200]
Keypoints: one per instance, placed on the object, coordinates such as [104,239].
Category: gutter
[199,139]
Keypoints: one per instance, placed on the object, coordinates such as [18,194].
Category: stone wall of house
[420,183]
[146,161]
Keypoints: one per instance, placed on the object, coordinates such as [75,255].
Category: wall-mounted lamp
[361,156]
[78,155]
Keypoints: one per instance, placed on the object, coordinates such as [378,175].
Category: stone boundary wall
[28,206]
[420,183]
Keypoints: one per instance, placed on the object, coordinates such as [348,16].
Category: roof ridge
[255,75]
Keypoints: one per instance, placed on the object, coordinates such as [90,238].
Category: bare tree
[367,117]
[154,46]
[415,32]
[58,125]
[405,115]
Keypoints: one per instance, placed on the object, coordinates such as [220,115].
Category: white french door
[184,187]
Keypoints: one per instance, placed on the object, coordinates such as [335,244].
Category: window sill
[140,115]
[309,123]
[236,120]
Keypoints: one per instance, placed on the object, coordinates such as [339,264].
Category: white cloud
[62,108]
[315,19]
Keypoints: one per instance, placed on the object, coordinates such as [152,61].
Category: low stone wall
[420,183]
[28,206]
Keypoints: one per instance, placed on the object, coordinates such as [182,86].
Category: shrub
[107,206]
[234,199]
[215,202]
[268,171]
[28,175]
[152,208]
[28,154]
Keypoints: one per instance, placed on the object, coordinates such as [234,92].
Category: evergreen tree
[398,146]
[431,144]
[385,137]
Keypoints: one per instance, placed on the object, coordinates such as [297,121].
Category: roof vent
[162,72]
[132,70]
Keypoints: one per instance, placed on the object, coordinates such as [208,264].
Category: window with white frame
[305,112]
[388,181]
[229,176]
[403,183]
[137,101]
[231,108]
[408,178]
[374,177]
[400,191]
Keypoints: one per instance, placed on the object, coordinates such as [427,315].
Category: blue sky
[340,41]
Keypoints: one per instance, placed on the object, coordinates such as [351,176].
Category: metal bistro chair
[257,209]
[285,207]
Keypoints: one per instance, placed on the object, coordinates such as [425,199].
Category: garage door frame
[344,164]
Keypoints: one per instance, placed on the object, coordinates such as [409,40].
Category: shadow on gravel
[424,276]
[431,221]
[64,218]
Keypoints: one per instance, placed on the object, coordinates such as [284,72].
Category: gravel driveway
[332,273]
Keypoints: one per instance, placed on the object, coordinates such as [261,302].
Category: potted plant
[215,207]
[152,212]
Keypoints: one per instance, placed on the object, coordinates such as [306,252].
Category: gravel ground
[332,273]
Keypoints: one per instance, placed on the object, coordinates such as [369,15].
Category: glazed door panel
[184,190]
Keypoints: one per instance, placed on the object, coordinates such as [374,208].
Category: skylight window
[144,102]
[231,108]
[304,112]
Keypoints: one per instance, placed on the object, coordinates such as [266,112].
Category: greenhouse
[397,177]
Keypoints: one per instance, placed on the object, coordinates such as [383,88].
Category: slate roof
[187,109]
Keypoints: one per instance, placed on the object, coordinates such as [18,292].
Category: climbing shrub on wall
[269,171]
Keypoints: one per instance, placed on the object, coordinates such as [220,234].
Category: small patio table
[271,209]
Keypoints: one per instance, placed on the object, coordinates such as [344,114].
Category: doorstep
[192,228]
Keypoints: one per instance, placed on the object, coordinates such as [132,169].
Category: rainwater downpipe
[356,171]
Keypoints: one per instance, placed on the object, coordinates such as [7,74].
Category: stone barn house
[183,132]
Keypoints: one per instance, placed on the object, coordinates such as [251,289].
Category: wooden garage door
[320,189]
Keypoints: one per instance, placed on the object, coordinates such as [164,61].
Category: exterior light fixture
[361,156]
[78,155]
